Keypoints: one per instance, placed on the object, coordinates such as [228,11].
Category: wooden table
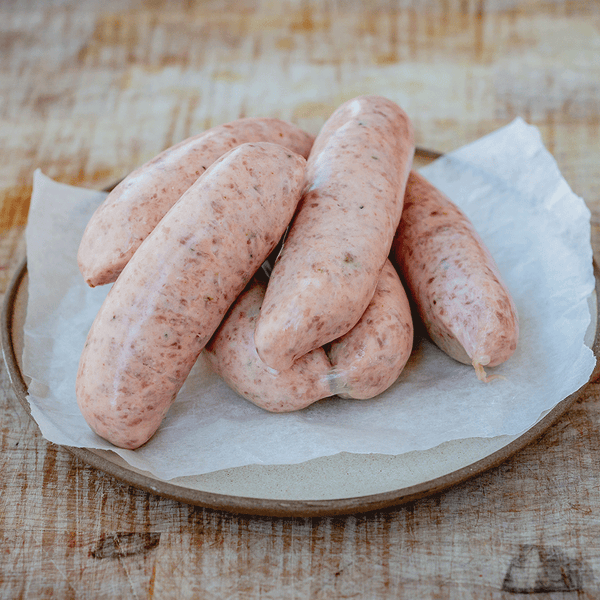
[91,90]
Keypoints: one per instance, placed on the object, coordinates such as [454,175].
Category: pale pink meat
[132,210]
[361,364]
[174,292]
[342,232]
[233,355]
[464,304]
[371,356]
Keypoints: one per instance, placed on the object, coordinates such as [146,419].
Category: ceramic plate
[340,484]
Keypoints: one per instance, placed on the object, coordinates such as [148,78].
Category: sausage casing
[371,356]
[176,289]
[232,354]
[361,364]
[342,232]
[465,306]
[132,210]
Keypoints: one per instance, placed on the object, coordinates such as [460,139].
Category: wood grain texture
[90,90]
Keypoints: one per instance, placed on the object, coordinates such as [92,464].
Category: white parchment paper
[539,234]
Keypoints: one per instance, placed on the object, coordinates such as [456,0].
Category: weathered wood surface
[90,90]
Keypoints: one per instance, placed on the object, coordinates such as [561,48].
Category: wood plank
[89,91]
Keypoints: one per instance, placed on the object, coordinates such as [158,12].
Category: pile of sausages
[183,238]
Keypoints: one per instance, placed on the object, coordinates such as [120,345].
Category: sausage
[132,210]
[361,364]
[232,354]
[342,232]
[174,292]
[466,308]
[371,356]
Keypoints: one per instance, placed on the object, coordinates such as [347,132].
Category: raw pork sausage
[465,307]
[342,232]
[174,292]
[361,364]
[132,210]
[232,353]
[371,356]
